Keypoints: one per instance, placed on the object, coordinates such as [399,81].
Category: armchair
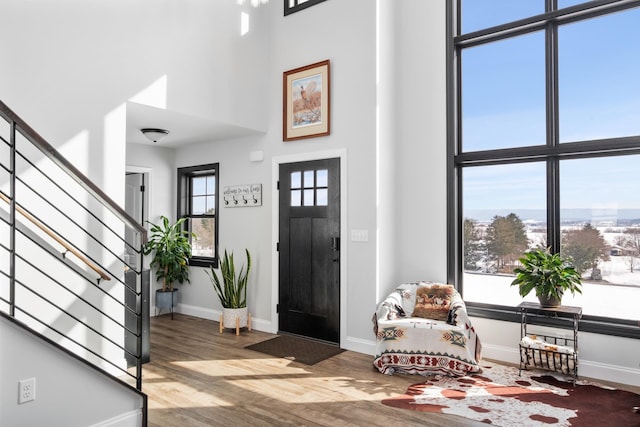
[423,328]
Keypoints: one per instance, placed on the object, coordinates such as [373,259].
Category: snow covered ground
[616,295]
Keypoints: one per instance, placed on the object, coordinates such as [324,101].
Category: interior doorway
[137,206]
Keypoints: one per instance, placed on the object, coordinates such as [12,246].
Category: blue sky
[504,106]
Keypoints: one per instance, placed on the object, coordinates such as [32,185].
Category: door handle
[335,244]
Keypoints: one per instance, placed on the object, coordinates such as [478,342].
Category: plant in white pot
[232,292]
[171,250]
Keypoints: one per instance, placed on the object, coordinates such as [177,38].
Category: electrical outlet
[26,390]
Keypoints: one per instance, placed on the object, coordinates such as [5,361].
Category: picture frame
[306,102]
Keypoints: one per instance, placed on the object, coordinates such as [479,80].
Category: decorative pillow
[433,302]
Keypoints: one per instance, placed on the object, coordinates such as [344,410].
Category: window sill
[203,262]
[593,324]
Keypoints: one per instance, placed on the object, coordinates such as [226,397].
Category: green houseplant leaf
[171,250]
[550,275]
[231,288]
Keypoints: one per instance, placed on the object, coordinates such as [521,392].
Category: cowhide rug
[499,396]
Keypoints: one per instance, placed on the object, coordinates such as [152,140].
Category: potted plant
[171,250]
[551,275]
[232,291]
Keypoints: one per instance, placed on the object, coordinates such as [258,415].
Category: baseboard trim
[586,369]
[210,314]
[359,345]
[128,419]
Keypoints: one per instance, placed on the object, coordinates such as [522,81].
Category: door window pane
[321,197]
[308,198]
[504,216]
[308,179]
[296,198]
[322,177]
[600,224]
[503,94]
[598,77]
[296,180]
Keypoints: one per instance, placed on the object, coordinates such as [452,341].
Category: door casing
[344,250]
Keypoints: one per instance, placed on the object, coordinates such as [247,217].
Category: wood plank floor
[199,377]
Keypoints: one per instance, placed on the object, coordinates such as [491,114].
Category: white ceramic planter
[235,318]
[229,316]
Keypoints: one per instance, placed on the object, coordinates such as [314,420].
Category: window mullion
[553,132]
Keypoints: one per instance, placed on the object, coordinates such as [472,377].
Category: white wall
[66,391]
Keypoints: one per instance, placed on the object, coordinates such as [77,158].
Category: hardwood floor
[199,377]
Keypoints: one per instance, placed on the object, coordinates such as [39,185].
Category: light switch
[359,235]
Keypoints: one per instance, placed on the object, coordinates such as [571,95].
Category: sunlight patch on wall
[154,95]
[254,3]
[74,145]
[115,138]
[244,23]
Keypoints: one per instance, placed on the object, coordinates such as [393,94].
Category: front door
[309,271]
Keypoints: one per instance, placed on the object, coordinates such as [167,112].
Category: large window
[292,6]
[544,135]
[198,202]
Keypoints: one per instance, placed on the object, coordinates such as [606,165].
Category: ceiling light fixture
[153,134]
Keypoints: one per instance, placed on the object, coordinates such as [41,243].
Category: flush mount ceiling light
[153,134]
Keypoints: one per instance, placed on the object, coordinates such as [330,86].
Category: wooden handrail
[58,239]
[53,154]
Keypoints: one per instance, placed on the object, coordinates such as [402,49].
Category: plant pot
[166,300]
[549,301]
[235,318]
[229,316]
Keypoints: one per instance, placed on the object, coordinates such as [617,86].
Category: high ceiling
[183,129]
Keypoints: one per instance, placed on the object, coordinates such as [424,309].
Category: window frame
[185,174]
[297,7]
[552,152]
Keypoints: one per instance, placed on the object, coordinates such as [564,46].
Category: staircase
[70,265]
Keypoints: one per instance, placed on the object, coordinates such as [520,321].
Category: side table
[547,351]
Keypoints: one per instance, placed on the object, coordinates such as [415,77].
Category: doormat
[301,350]
[499,396]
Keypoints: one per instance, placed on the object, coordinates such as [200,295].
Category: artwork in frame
[306,102]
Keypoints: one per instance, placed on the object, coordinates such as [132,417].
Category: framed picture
[306,102]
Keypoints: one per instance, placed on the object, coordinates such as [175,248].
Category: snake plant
[231,288]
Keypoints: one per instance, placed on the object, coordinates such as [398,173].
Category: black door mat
[298,349]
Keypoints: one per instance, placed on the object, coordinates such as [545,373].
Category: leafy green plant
[231,289]
[171,252]
[549,274]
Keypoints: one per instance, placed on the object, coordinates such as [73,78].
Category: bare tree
[631,244]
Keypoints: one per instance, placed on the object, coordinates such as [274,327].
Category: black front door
[309,272]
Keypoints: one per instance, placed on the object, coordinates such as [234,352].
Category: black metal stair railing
[66,265]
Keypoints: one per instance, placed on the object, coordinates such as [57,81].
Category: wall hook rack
[236,196]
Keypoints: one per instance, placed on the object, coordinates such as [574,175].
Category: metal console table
[545,351]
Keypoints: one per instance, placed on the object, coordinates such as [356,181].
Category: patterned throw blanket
[445,343]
